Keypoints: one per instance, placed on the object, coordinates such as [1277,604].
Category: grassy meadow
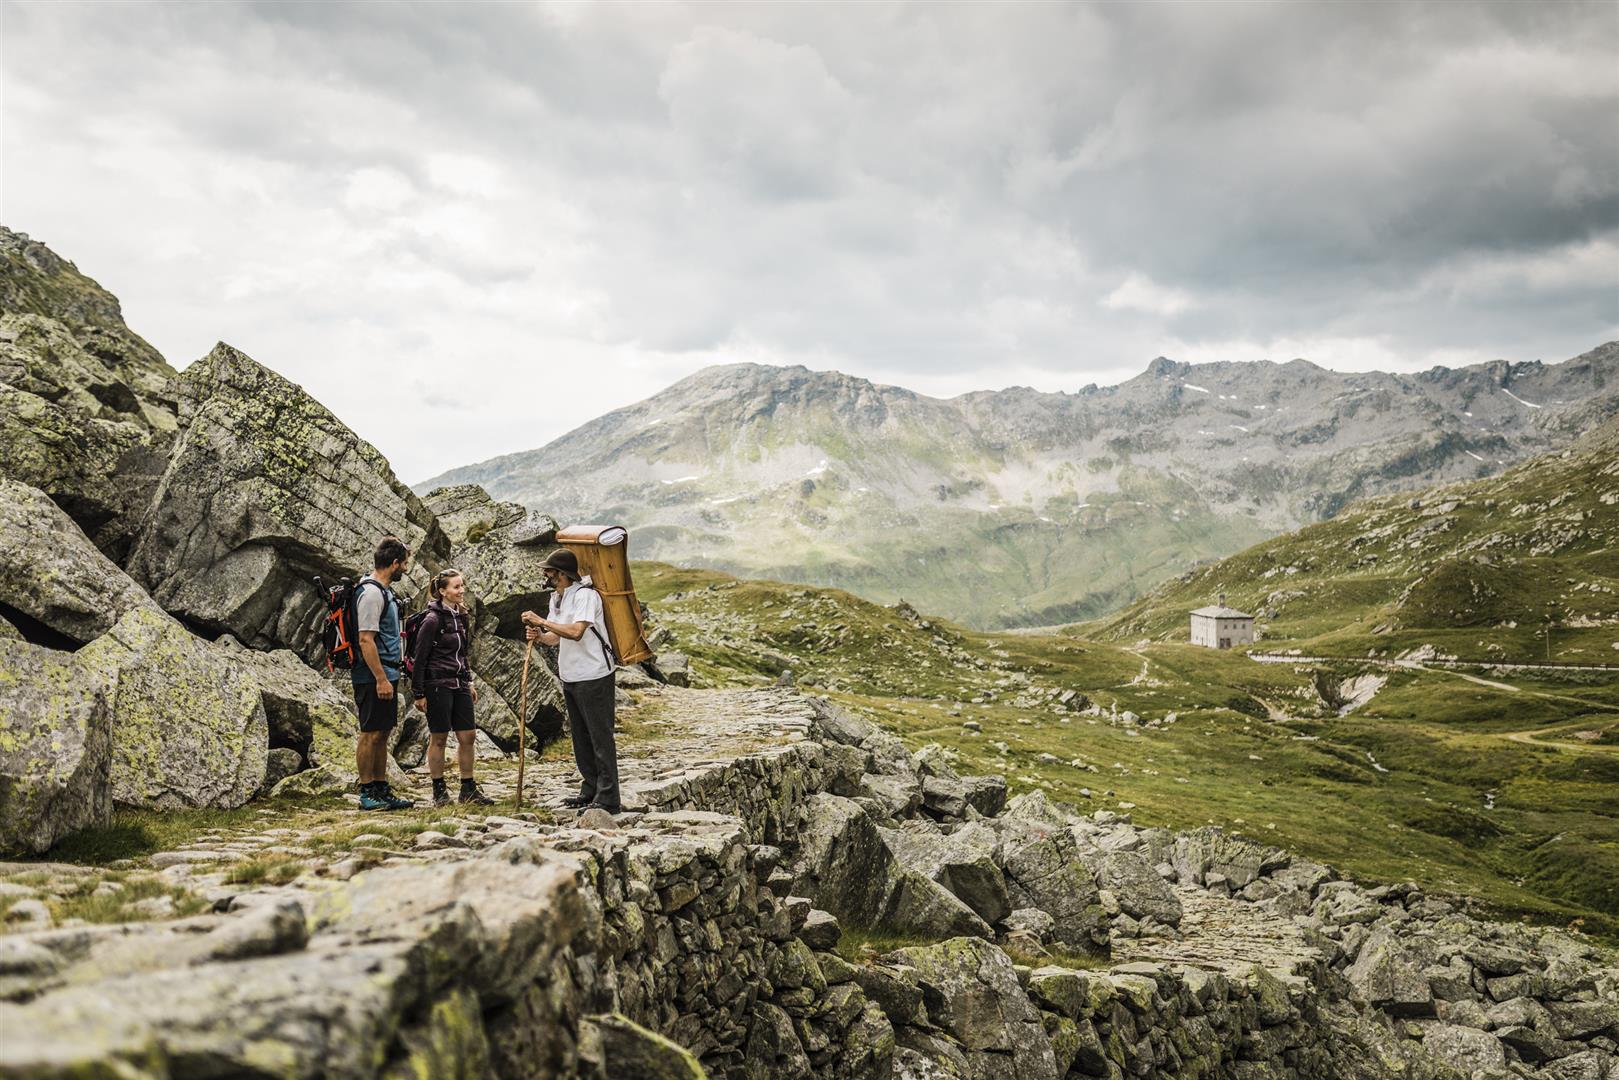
[1501,788]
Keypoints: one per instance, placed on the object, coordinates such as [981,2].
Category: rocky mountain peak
[1086,498]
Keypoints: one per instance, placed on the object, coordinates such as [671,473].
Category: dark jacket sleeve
[426,638]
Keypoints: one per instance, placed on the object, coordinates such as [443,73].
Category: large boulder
[972,993]
[305,710]
[844,864]
[55,747]
[1211,850]
[188,722]
[71,427]
[1139,889]
[963,862]
[264,489]
[1388,973]
[497,664]
[1041,861]
[1470,1051]
[56,580]
[499,547]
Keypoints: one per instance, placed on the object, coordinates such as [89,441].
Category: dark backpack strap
[607,649]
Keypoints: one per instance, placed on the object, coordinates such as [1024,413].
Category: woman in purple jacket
[441,682]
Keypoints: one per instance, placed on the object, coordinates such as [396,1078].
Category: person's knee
[466,738]
[438,738]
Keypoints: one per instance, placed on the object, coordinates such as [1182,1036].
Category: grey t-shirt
[375,611]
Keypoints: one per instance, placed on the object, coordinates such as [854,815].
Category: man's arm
[554,631]
[368,652]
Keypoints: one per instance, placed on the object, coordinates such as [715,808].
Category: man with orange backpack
[381,658]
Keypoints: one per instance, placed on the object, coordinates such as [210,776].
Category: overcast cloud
[441,220]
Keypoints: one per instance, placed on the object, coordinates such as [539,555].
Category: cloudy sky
[442,220]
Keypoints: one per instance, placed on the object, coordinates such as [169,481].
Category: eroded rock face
[55,747]
[264,489]
[188,724]
[54,575]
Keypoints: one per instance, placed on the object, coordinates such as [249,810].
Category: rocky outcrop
[86,409]
[188,724]
[34,280]
[55,578]
[55,747]
[70,426]
[264,489]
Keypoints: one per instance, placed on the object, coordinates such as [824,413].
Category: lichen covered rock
[264,489]
[55,747]
[53,574]
[188,723]
[972,993]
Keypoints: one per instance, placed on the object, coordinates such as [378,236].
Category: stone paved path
[1219,934]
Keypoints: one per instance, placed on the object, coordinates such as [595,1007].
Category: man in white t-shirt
[578,630]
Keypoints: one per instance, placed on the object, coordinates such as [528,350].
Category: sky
[470,228]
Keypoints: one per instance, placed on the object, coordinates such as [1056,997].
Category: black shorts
[447,709]
[376,714]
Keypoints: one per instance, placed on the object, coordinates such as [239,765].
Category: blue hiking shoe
[370,800]
[395,802]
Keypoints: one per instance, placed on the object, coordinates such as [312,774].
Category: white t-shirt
[585,659]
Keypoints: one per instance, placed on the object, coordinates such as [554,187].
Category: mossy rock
[55,746]
[188,724]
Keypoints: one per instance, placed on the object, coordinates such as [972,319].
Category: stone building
[1221,627]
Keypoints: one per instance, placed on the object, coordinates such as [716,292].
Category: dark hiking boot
[441,793]
[471,794]
[576,802]
[395,802]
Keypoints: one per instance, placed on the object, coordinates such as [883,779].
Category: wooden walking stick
[522,723]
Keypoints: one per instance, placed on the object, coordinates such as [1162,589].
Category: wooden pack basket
[603,552]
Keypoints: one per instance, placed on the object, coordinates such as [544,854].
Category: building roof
[1215,611]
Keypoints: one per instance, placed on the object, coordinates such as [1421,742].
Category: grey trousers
[591,717]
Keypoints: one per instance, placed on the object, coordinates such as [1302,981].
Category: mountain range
[1022,507]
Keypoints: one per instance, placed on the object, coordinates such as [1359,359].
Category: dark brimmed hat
[564,560]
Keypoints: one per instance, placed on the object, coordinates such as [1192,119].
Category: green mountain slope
[1484,569]
[1499,792]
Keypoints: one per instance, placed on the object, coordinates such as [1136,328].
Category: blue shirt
[376,609]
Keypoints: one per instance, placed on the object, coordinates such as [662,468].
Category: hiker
[585,668]
[441,683]
[376,617]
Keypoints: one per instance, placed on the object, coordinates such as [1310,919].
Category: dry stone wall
[678,943]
